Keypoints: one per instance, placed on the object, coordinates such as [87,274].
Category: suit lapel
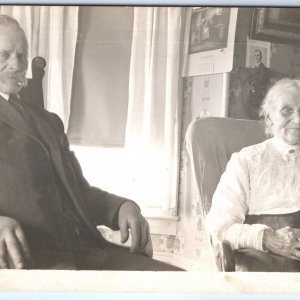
[50,139]
[11,116]
[61,163]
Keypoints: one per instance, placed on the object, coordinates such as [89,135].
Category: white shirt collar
[5,96]
[257,64]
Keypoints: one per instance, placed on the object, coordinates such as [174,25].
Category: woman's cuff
[245,236]
[264,239]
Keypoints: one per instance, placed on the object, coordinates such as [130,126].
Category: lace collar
[286,151]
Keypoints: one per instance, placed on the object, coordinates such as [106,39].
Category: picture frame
[277,25]
[209,40]
[254,47]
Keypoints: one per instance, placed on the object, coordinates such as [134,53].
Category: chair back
[33,91]
[210,143]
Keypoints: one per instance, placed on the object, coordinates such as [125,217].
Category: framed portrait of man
[257,53]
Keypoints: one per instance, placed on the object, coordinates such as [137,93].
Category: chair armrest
[224,256]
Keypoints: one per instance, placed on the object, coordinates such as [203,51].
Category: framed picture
[257,54]
[277,25]
[209,40]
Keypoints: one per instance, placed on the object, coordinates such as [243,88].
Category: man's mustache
[18,76]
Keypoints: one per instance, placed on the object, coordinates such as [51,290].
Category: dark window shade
[101,76]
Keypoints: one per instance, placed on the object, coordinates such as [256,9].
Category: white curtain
[52,33]
[154,112]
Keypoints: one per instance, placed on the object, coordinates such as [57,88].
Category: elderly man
[48,211]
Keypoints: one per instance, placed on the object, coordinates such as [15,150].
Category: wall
[283,59]
[284,62]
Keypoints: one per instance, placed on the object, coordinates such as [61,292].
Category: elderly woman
[256,206]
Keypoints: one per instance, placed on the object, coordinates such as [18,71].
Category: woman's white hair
[282,86]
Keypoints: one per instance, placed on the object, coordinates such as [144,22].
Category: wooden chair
[210,143]
[33,91]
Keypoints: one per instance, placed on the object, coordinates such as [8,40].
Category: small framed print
[209,40]
[257,54]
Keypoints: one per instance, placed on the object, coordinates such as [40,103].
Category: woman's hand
[284,242]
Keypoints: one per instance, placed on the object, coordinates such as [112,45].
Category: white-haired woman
[256,206]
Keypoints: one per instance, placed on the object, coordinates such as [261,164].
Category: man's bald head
[8,21]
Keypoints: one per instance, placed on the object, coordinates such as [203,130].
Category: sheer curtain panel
[154,111]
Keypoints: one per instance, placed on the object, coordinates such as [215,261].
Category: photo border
[287,292]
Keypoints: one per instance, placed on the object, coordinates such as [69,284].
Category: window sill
[162,225]
[165,225]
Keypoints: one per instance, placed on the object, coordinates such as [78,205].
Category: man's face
[257,56]
[13,59]
[285,117]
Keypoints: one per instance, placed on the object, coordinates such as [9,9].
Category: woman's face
[285,117]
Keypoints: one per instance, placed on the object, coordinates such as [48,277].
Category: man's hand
[284,242]
[130,218]
[14,250]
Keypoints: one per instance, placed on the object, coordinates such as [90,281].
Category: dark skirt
[251,260]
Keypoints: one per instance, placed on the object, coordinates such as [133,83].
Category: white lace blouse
[260,179]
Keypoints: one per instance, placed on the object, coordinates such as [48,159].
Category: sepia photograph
[258,54]
[209,29]
[208,40]
[114,180]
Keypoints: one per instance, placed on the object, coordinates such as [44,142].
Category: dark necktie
[15,101]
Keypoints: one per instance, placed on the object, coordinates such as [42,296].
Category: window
[101,74]
[146,170]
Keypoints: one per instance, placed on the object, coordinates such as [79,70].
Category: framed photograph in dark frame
[277,25]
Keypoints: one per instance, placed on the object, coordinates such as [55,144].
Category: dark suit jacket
[18,140]
[261,67]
